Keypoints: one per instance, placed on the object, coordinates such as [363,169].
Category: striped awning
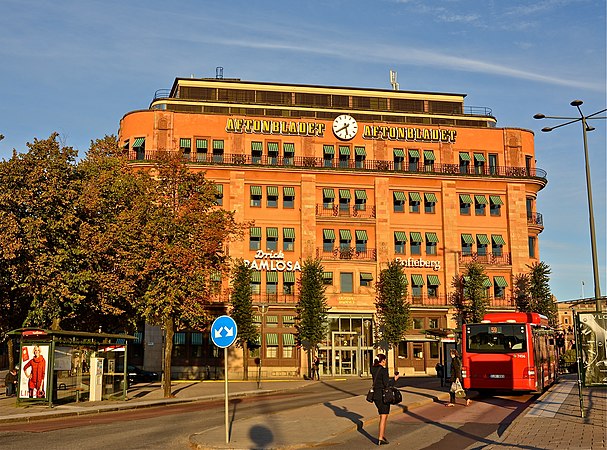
[217,145]
[288,233]
[413,153]
[498,239]
[431,237]
[256,190]
[500,281]
[345,193]
[288,319]
[328,149]
[288,147]
[255,232]
[139,142]
[417,280]
[482,239]
[273,147]
[257,146]
[479,157]
[288,340]
[344,150]
[480,199]
[328,234]
[360,151]
[433,280]
[272,232]
[465,198]
[271,319]
[399,153]
[288,277]
[487,282]
[272,339]
[179,338]
[496,199]
[185,142]
[328,193]
[399,196]
[366,276]
[400,236]
[288,191]
[464,156]
[327,275]
[361,235]
[431,197]
[467,238]
[415,197]
[272,191]
[428,155]
[416,236]
[219,189]
[360,195]
[201,143]
[345,235]
[271,277]
[256,276]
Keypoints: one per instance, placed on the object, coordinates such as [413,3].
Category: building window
[256,152]
[499,287]
[345,238]
[272,345]
[531,247]
[399,201]
[328,242]
[366,279]
[344,200]
[493,163]
[399,158]
[529,206]
[414,202]
[328,198]
[288,197]
[139,148]
[464,162]
[497,243]
[272,194]
[288,239]
[417,284]
[344,156]
[289,153]
[256,282]
[418,323]
[467,242]
[185,148]
[360,155]
[361,240]
[202,149]
[464,204]
[416,243]
[346,282]
[480,203]
[431,243]
[400,241]
[218,151]
[413,160]
[479,163]
[271,283]
[495,205]
[433,323]
[433,283]
[430,203]
[256,196]
[327,278]
[482,242]
[272,238]
[219,194]
[288,343]
[255,238]
[273,153]
[328,155]
[360,200]
[428,161]
[288,287]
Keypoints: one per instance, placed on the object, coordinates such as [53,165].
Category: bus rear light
[464,372]
[529,372]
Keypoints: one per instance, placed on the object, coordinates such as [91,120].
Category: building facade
[357,178]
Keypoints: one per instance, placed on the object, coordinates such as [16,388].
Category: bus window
[496,338]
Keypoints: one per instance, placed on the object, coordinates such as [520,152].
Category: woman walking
[456,374]
[381,381]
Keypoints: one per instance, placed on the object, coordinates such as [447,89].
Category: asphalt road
[169,427]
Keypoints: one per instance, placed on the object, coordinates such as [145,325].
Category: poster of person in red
[33,380]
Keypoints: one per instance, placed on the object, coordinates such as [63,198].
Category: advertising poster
[33,379]
[592,338]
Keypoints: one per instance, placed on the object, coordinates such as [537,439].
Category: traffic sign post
[223,334]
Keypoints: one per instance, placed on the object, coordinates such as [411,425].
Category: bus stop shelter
[58,366]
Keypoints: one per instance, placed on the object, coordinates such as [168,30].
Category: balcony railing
[310,162]
[535,219]
[503,259]
[369,254]
[338,211]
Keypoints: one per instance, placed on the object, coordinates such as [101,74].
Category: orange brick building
[355,177]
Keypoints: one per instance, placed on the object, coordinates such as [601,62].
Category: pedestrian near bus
[10,381]
[381,381]
[456,374]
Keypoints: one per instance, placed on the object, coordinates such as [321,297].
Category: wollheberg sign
[274,262]
[419,262]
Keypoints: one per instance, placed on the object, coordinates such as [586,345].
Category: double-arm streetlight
[585,129]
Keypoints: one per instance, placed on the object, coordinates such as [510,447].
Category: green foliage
[521,292]
[393,313]
[542,300]
[470,294]
[311,321]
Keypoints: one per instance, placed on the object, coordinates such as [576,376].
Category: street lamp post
[585,129]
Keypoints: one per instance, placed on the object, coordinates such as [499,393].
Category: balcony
[492,259]
[350,253]
[340,212]
[535,219]
[310,162]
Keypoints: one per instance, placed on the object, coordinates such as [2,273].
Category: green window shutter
[399,196]
[416,237]
[272,277]
[480,199]
[185,142]
[360,195]
[433,280]
[197,339]
[201,143]
[482,239]
[366,276]
[361,235]
[429,155]
[431,237]
[345,235]
[256,190]
[360,151]
[328,149]
[464,156]
[415,197]
[413,153]
[498,239]
[272,232]
[465,198]
[328,193]
[467,238]
[345,193]
[255,232]
[217,145]
[399,153]
[288,147]
[288,277]
[328,234]
[496,200]
[344,150]
[400,236]
[256,276]
[138,142]
[219,189]
[417,280]
[288,191]
[500,281]
[257,146]
[430,197]
[288,340]
[327,275]
[272,191]
[272,339]
[479,157]
[288,233]
[273,147]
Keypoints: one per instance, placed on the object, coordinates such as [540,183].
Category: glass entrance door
[346,353]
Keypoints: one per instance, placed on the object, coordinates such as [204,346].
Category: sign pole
[225,369]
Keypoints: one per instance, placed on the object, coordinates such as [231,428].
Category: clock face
[345,127]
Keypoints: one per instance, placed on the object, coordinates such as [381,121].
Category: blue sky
[77,66]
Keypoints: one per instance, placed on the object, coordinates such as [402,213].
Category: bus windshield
[496,338]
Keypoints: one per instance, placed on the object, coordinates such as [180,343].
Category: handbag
[392,396]
[370,395]
[456,387]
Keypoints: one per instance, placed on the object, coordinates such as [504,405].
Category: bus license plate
[497,376]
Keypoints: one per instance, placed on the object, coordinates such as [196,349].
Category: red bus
[510,351]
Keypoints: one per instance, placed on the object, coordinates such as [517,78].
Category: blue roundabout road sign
[223,331]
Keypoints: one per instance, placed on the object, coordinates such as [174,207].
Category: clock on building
[345,127]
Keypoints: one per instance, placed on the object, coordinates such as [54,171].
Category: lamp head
[589,128]
[547,129]
[539,116]
[576,103]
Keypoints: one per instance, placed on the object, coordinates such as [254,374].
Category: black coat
[456,369]
[381,380]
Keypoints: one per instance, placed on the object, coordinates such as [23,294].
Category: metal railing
[338,211]
[369,254]
[497,259]
[535,219]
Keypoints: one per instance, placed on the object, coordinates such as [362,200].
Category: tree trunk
[11,353]
[169,331]
[245,361]
[395,346]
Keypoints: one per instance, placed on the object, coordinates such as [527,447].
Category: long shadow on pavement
[355,418]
